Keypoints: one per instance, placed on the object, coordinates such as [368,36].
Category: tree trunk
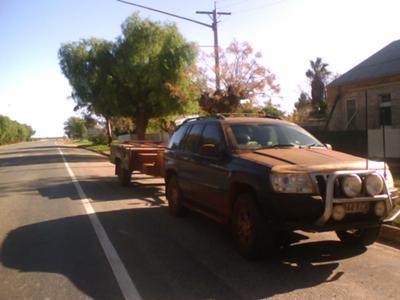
[109,130]
[141,123]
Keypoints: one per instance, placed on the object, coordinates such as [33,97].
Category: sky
[289,33]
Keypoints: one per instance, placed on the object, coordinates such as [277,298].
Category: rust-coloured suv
[265,176]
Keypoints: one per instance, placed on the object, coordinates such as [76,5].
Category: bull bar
[330,200]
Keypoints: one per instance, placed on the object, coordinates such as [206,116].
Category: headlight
[351,185]
[292,183]
[373,184]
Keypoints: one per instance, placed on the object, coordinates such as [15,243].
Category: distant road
[85,237]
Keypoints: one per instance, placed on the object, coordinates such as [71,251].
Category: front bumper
[389,196]
[314,213]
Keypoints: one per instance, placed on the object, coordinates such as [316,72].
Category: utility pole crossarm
[211,12]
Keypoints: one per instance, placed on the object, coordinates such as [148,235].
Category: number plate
[357,207]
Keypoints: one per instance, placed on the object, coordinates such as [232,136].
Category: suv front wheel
[249,229]
[359,237]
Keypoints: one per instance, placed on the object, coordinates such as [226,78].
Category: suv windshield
[256,136]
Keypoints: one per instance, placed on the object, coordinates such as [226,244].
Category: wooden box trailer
[146,157]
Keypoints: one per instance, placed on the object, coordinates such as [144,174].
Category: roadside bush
[99,139]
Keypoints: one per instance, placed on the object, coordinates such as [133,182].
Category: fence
[392,143]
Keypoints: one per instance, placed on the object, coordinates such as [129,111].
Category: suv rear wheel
[174,197]
[359,237]
[249,229]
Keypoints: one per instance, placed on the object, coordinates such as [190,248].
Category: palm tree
[318,75]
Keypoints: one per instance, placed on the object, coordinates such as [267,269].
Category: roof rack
[254,115]
[216,117]
[223,116]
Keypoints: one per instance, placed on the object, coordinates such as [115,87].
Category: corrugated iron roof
[385,62]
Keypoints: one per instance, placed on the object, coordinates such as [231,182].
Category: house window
[386,110]
[351,114]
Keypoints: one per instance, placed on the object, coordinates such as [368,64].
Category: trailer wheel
[124,176]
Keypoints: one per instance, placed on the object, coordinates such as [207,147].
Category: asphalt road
[51,250]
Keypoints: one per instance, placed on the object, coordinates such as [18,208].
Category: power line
[166,13]
[259,7]
[214,26]
[234,4]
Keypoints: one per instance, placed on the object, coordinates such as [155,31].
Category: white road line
[125,283]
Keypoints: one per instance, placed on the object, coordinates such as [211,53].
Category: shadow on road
[47,159]
[106,189]
[167,258]
[32,150]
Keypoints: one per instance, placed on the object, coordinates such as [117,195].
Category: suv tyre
[359,237]
[174,197]
[249,229]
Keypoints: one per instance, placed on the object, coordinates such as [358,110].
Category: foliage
[99,139]
[153,63]
[303,108]
[145,74]
[75,128]
[13,132]
[318,75]
[122,125]
[220,101]
[242,77]
[272,110]
[268,109]
[88,65]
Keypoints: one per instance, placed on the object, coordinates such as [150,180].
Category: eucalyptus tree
[88,66]
[153,66]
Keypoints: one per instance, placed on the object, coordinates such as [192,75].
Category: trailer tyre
[124,176]
[174,197]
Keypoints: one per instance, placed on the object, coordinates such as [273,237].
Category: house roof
[385,62]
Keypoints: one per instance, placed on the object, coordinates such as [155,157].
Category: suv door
[189,161]
[212,172]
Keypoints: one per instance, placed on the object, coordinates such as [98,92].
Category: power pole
[214,26]
[213,14]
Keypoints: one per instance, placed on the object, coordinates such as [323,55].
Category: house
[375,81]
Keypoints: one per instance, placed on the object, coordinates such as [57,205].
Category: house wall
[339,119]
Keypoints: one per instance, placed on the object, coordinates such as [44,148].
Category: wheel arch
[238,188]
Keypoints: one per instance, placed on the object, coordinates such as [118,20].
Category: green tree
[75,128]
[153,65]
[242,77]
[318,75]
[13,132]
[88,65]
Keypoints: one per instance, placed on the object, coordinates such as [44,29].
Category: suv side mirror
[209,150]
[329,146]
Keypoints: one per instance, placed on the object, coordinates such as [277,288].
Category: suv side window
[212,135]
[192,139]
[177,138]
